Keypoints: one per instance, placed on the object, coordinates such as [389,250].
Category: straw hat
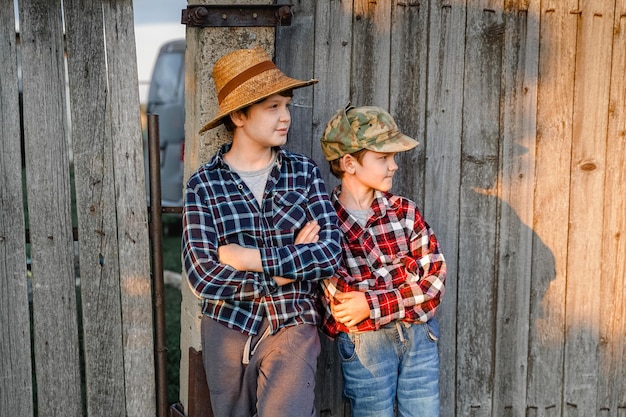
[244,77]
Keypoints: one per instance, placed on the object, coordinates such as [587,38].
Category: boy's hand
[309,233]
[351,308]
[282,281]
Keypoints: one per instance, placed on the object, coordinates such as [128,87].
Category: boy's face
[266,123]
[376,170]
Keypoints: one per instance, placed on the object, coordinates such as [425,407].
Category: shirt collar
[382,202]
[218,160]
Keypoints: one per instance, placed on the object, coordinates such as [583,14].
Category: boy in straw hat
[381,303]
[259,232]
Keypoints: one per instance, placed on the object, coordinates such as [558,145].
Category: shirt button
[240,186]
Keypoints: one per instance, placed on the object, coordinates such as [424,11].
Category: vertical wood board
[407,93]
[296,59]
[479,207]
[371,53]
[49,207]
[551,206]
[15,352]
[519,103]
[590,115]
[446,50]
[612,348]
[95,201]
[124,126]
[333,40]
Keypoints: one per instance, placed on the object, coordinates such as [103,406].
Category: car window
[164,86]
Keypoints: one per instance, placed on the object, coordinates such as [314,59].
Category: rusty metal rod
[156,230]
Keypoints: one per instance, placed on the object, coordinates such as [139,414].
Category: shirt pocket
[290,210]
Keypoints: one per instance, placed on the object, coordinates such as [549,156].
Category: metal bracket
[234,15]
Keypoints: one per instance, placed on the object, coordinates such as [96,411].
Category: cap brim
[399,143]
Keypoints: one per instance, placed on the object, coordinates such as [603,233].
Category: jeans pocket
[432,329]
[346,347]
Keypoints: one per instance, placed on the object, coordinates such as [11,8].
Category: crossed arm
[249,259]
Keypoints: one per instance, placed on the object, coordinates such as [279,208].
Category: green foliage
[173,298]
[172,342]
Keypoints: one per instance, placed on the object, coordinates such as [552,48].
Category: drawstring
[247,354]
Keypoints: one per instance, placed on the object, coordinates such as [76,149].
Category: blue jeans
[396,366]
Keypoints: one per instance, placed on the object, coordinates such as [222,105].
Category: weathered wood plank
[407,92]
[16,391]
[296,59]
[612,347]
[49,209]
[552,170]
[124,125]
[446,51]
[519,76]
[590,114]
[479,206]
[371,52]
[333,42]
[333,37]
[95,203]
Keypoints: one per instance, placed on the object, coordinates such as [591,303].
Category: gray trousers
[279,380]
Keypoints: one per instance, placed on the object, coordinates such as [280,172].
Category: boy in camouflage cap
[381,303]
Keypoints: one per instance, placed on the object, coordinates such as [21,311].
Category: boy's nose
[285,115]
[393,166]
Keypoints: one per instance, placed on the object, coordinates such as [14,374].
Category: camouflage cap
[354,128]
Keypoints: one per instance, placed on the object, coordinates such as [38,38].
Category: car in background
[166,98]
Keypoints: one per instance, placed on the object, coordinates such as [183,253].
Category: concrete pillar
[204,47]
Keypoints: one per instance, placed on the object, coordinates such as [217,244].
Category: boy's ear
[237,117]
[347,164]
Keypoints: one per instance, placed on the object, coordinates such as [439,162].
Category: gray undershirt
[360,215]
[256,180]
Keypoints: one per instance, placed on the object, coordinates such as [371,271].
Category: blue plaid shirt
[220,209]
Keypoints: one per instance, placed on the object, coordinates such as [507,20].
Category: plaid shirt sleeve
[311,261]
[207,277]
[424,269]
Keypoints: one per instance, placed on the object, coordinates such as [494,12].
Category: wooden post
[204,47]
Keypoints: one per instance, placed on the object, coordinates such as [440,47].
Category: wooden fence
[91,351]
[520,107]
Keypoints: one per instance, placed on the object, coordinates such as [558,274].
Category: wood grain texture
[94,178]
[123,124]
[55,325]
[16,393]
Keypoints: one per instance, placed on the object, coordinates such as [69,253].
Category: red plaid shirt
[395,260]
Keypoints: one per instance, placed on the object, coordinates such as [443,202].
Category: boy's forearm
[240,258]
[302,262]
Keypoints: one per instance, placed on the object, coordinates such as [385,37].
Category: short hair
[228,122]
[335,164]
